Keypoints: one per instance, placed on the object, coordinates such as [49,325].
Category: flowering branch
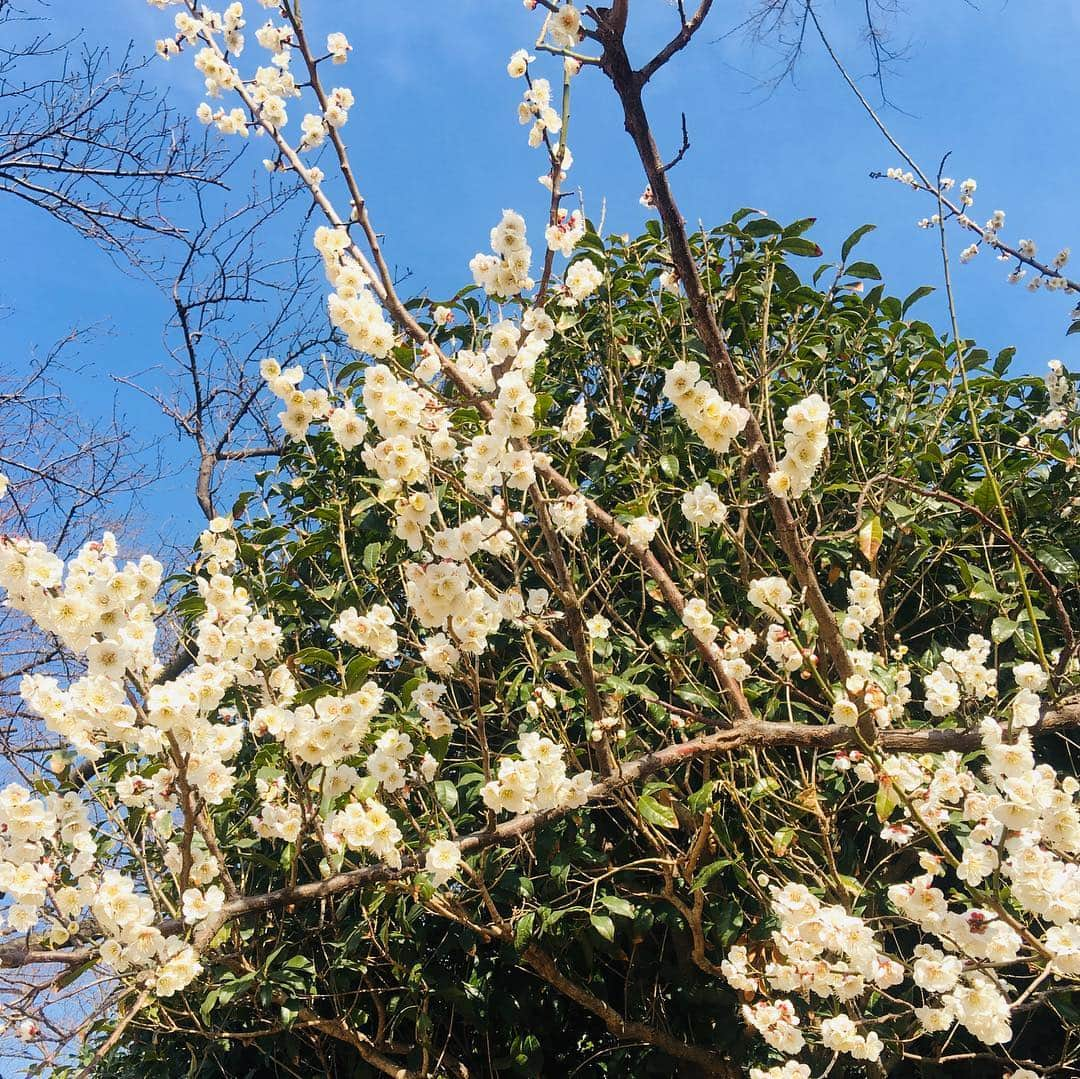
[755,734]
[627,84]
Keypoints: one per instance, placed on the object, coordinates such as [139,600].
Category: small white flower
[441,861]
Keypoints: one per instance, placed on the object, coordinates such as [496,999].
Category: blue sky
[439,153]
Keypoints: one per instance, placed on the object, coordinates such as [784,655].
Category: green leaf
[983,496]
[617,905]
[849,244]
[702,798]
[230,990]
[669,465]
[987,593]
[1058,449]
[300,962]
[655,813]
[1004,359]
[371,555]
[765,786]
[1001,629]
[710,871]
[1058,562]
[356,669]
[851,884]
[208,1005]
[763,226]
[782,840]
[865,270]
[704,698]
[797,245]
[447,794]
[367,788]
[886,801]
[241,504]
[915,297]
[523,930]
[603,925]
[627,689]
[75,973]
[314,657]
[797,228]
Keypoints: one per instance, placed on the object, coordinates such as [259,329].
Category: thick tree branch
[626,1029]
[689,28]
[627,84]
[756,734]
[342,1032]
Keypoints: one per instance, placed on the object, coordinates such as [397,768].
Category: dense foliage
[639,898]
[662,667]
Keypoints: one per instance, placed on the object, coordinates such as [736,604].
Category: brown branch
[689,28]
[626,1029]
[757,734]
[627,84]
[342,1032]
[617,15]
[117,1033]
[26,955]
[682,149]
[1018,549]
[692,917]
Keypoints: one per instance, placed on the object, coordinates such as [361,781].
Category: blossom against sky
[439,153]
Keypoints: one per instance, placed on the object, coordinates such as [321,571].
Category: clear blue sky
[439,153]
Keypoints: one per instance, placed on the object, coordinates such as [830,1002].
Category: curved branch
[689,28]
[616,64]
[626,1029]
[757,734]
[1021,552]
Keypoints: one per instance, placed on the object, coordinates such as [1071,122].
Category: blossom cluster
[714,420]
[1060,397]
[566,232]
[820,950]
[805,439]
[373,631]
[961,672]
[366,827]
[505,272]
[352,306]
[535,781]
[536,109]
[1020,824]
[565,26]
[702,506]
[575,423]
[441,596]
[864,606]
[104,613]
[580,281]
[324,733]
[302,407]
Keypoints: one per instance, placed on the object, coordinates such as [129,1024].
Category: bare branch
[683,38]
